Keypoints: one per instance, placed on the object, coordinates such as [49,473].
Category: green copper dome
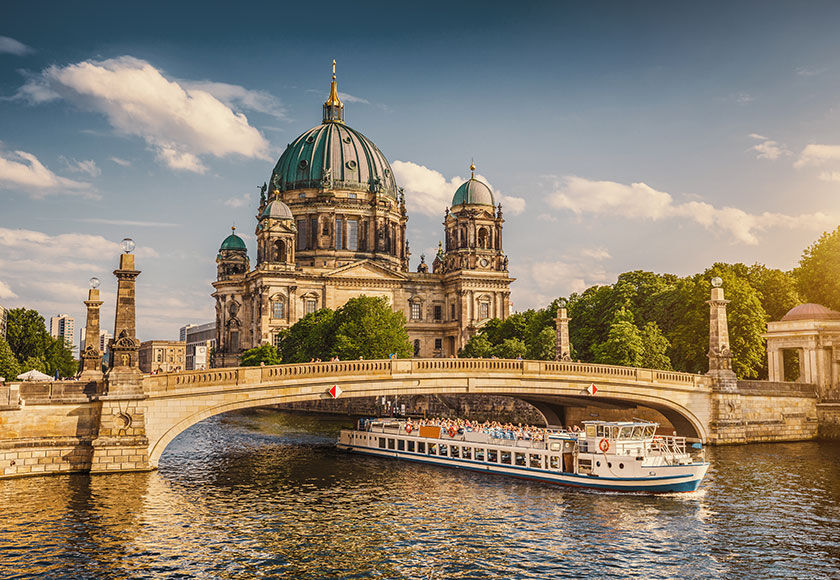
[233,242]
[473,192]
[334,156]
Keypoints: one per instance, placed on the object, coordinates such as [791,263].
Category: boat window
[638,432]
[506,457]
[650,430]
[492,455]
[554,462]
[382,443]
[536,460]
[466,452]
[555,446]
[454,451]
[479,454]
[590,431]
[626,433]
[421,447]
[400,445]
[519,459]
[390,443]
[432,448]
[411,446]
[443,450]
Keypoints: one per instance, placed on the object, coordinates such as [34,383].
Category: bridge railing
[252,375]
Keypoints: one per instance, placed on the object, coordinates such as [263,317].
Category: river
[266,494]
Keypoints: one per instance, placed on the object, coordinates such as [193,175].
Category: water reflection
[267,494]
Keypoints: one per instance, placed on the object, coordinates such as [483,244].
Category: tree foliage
[365,327]
[34,348]
[818,274]
[265,354]
[9,365]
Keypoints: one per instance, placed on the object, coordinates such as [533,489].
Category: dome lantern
[233,242]
[333,107]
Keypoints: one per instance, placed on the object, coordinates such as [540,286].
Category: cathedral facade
[331,225]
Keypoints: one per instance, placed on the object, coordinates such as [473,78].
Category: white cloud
[817,154]
[87,167]
[639,200]
[743,98]
[596,253]
[540,282]
[348,98]
[239,96]
[6,292]
[767,149]
[12,46]
[830,176]
[809,71]
[23,171]
[20,244]
[240,201]
[428,192]
[121,162]
[179,123]
[128,223]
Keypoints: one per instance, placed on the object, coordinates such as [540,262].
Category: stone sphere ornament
[717,282]
[94,283]
[127,245]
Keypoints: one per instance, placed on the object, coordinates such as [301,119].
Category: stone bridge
[178,400]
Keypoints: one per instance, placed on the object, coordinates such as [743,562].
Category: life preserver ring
[408,428]
[451,431]
[604,445]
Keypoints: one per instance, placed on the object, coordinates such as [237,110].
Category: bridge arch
[179,400]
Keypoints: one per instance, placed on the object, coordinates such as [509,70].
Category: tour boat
[605,455]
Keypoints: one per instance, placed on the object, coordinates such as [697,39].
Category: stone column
[121,443]
[92,357]
[562,345]
[124,375]
[773,366]
[720,356]
[804,367]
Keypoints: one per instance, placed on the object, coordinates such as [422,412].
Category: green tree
[818,274]
[26,334]
[654,348]
[309,338]
[542,346]
[9,366]
[34,363]
[624,345]
[510,348]
[776,290]
[266,354]
[367,327]
[58,358]
[478,346]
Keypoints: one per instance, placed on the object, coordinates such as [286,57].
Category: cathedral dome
[277,210]
[473,192]
[811,312]
[334,156]
[233,242]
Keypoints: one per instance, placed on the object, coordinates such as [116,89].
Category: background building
[332,225]
[64,326]
[3,321]
[162,356]
[182,334]
[200,341]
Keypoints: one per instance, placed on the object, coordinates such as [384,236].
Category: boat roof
[622,423]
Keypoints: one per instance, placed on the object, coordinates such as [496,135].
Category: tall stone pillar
[727,421]
[92,356]
[124,375]
[121,443]
[562,345]
[774,364]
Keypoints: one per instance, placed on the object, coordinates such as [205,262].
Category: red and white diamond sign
[335,391]
[592,389]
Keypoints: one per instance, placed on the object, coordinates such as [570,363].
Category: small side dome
[811,312]
[473,192]
[233,242]
[277,210]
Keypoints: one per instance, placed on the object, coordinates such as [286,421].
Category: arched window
[279,251]
[416,347]
[482,238]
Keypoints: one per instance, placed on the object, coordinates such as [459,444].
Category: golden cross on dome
[333,69]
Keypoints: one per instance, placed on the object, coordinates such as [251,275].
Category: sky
[618,136]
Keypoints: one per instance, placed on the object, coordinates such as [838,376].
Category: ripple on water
[267,494]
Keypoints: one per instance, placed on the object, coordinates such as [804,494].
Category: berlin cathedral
[331,226]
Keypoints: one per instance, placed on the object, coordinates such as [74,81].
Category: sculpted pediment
[368,270]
